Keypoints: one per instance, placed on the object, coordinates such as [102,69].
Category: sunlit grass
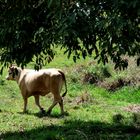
[91,112]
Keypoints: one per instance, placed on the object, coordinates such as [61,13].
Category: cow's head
[13,73]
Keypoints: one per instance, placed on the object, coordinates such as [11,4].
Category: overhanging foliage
[108,28]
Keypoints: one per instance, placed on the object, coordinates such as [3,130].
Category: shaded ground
[75,130]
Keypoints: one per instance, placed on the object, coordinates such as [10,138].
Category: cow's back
[42,81]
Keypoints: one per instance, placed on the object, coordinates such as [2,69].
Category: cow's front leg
[25,105]
[38,104]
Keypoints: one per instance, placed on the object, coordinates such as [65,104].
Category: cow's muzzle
[7,78]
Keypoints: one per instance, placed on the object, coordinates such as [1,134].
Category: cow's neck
[18,76]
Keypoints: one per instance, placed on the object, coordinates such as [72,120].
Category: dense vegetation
[108,28]
[92,111]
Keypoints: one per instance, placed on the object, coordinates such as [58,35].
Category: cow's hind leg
[51,107]
[56,100]
[38,104]
[61,106]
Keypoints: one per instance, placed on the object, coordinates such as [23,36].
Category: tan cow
[36,83]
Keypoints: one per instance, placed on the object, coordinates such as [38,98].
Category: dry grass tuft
[84,98]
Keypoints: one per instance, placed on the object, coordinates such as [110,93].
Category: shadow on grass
[76,130]
[45,114]
[2,82]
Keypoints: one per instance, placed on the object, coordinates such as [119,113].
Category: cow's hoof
[43,111]
[48,112]
[25,112]
[65,114]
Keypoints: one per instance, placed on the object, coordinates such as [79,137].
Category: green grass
[93,113]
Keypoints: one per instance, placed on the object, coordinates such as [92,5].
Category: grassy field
[93,112]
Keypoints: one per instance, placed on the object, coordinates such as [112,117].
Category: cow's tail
[64,78]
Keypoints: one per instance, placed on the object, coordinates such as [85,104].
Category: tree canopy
[107,28]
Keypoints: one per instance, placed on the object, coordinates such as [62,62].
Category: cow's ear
[16,71]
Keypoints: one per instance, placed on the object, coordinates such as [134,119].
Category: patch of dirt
[111,86]
[90,78]
[119,83]
[115,85]
[100,75]
[132,108]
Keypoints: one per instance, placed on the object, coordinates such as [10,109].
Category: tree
[107,28]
